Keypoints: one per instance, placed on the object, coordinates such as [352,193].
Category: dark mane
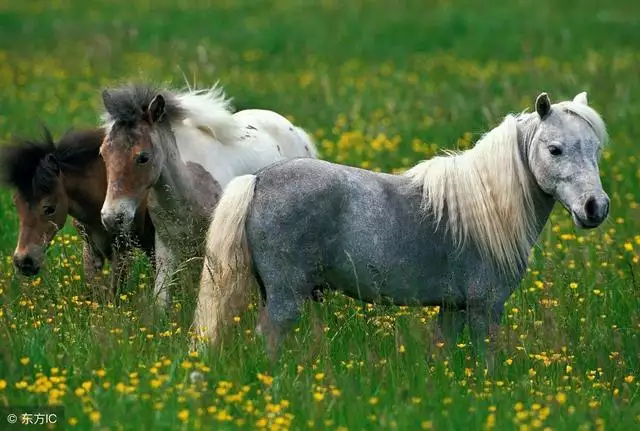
[32,165]
[126,105]
[78,148]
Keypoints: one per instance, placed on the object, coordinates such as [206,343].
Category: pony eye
[142,158]
[555,150]
[48,210]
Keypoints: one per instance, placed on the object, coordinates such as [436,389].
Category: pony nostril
[111,220]
[23,261]
[114,221]
[117,221]
[28,262]
[591,208]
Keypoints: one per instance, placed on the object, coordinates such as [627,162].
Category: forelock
[588,115]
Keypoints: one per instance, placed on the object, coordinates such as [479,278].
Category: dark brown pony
[52,180]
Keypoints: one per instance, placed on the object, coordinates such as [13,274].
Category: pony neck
[173,188]
[543,203]
[86,191]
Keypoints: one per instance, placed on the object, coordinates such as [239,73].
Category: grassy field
[382,87]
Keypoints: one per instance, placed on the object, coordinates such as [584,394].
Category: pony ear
[543,105]
[581,98]
[156,109]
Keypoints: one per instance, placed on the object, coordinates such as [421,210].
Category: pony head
[32,169]
[563,157]
[137,120]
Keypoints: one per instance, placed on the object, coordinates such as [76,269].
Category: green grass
[381,87]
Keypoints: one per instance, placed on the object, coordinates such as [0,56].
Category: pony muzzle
[28,262]
[592,209]
[118,217]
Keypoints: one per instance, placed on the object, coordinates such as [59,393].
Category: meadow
[380,85]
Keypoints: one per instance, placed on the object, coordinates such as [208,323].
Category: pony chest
[179,227]
[176,227]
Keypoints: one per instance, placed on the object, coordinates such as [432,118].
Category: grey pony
[454,231]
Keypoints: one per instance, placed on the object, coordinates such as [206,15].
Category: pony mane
[210,111]
[207,110]
[78,148]
[485,194]
[32,165]
[125,105]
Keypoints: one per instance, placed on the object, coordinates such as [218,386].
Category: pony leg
[272,333]
[484,325]
[165,266]
[92,263]
[92,259]
[280,313]
[275,327]
[451,322]
[120,265]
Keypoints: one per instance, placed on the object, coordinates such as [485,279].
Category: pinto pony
[53,180]
[454,231]
[181,148]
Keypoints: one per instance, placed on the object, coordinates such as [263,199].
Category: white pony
[182,148]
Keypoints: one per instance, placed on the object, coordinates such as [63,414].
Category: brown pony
[52,180]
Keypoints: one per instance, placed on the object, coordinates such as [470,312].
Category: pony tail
[227,278]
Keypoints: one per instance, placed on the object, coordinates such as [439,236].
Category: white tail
[227,278]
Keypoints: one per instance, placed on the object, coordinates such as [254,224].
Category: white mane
[485,191]
[486,194]
[209,110]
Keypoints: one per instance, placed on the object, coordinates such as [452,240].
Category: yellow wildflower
[183,415]
[94,416]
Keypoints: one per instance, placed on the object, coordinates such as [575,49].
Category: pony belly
[397,284]
[402,294]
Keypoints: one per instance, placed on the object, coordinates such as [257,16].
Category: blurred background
[380,85]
